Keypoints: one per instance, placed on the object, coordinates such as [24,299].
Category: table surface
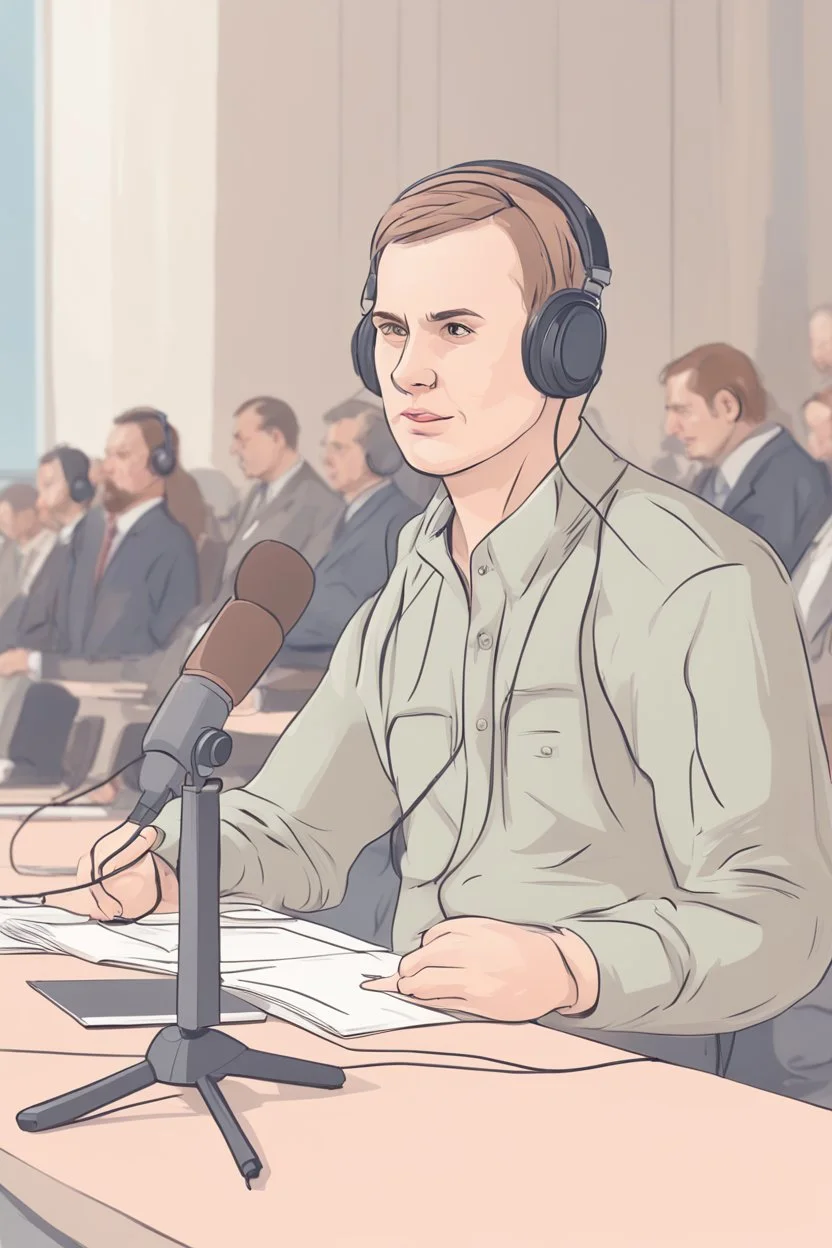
[642,1155]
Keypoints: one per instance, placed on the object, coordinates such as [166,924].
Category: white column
[133,185]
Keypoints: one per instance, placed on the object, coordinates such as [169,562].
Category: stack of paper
[292,968]
[10,943]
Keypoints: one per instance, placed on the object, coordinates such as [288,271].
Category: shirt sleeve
[723,724]
[290,836]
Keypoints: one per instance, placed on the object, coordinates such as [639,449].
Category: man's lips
[420,417]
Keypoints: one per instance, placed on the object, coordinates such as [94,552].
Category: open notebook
[291,968]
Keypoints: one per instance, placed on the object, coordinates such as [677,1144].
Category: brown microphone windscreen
[277,578]
[237,649]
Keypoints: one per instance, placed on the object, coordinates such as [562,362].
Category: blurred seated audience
[360,459]
[820,341]
[18,511]
[753,469]
[221,496]
[817,413]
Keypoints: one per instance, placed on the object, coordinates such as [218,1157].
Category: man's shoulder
[660,535]
[311,488]
[783,455]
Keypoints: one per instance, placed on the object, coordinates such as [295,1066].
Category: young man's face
[344,458]
[449,317]
[819,422]
[258,451]
[705,430]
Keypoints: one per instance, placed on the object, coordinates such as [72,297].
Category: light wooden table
[641,1155]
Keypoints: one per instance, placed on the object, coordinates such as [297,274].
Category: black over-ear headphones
[162,459]
[384,459]
[75,466]
[564,342]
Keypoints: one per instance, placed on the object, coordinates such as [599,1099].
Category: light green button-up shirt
[640,762]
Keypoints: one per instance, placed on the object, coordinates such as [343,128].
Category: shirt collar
[735,464]
[273,488]
[66,532]
[519,544]
[127,519]
[358,502]
[42,539]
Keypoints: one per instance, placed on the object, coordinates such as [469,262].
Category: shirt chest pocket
[548,779]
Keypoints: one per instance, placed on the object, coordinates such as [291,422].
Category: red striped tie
[106,547]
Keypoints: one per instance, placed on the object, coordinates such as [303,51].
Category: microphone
[272,589]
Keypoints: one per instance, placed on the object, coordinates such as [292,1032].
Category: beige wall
[131,181]
[221,245]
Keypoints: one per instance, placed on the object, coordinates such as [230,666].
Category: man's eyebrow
[387,316]
[450,313]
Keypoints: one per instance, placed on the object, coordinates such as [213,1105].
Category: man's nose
[416,368]
[671,424]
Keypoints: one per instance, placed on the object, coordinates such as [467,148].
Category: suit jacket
[30,621]
[359,561]
[303,515]
[148,587]
[642,765]
[783,494]
[9,572]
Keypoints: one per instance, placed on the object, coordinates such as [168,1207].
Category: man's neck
[68,515]
[364,486]
[739,434]
[483,496]
[149,496]
[287,462]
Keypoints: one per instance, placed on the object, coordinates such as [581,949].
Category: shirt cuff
[583,971]
[35,664]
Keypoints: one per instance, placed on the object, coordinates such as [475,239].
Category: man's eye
[453,326]
[392,331]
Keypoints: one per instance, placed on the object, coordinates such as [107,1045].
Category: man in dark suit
[754,470]
[288,501]
[134,573]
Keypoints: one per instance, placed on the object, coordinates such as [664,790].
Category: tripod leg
[74,1105]
[248,1163]
[274,1068]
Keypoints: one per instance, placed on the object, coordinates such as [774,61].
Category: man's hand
[485,967]
[146,884]
[13,662]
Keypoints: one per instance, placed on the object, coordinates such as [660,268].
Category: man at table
[588,685]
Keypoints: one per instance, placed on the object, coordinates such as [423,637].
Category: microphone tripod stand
[191,1054]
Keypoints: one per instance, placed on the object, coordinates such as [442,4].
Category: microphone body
[272,590]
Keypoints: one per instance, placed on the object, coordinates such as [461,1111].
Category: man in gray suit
[754,470]
[288,501]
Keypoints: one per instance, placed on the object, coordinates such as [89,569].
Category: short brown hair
[274,414]
[718,366]
[20,496]
[183,497]
[550,258]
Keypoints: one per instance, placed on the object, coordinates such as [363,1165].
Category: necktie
[106,547]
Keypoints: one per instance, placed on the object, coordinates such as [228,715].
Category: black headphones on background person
[75,466]
[162,459]
[564,343]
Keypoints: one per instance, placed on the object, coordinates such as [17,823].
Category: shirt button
[482,724]
[485,641]
[546,751]
[482,569]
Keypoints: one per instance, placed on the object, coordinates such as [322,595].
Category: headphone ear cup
[384,459]
[162,461]
[81,490]
[363,349]
[564,345]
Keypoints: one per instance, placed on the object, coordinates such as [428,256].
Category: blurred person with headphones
[134,572]
[581,702]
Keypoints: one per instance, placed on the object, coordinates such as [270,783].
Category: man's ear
[727,405]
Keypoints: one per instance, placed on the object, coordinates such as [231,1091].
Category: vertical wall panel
[277,245]
[615,134]
[817,44]
[699,311]
[417,71]
[369,135]
[498,85]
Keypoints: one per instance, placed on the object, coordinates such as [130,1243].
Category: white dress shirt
[819,568]
[267,495]
[359,501]
[33,555]
[735,464]
[65,535]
